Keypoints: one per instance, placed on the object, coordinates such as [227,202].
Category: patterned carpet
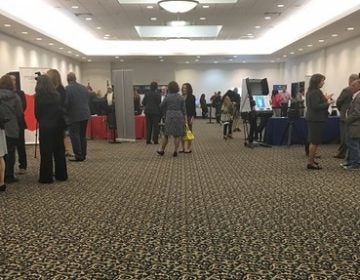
[223,212]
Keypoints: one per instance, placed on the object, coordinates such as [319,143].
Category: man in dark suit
[78,113]
[353,129]
[342,104]
[151,103]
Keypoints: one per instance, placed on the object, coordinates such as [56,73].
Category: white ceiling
[238,20]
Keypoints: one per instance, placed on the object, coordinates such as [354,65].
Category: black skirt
[315,132]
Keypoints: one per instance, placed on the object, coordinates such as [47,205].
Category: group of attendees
[175,110]
[348,103]
[57,109]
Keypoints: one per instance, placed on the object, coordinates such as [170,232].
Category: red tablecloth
[139,126]
[97,128]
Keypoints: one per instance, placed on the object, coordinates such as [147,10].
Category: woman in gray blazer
[317,105]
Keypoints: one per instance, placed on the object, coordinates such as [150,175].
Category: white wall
[15,53]
[96,73]
[336,63]
[204,78]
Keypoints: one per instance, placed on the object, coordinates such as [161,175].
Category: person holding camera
[50,115]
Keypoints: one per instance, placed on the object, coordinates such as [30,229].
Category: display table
[276,132]
[140,127]
[97,127]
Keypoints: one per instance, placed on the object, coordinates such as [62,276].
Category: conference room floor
[222,212]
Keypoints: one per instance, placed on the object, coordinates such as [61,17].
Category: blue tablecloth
[277,129]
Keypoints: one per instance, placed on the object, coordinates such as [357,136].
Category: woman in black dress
[317,105]
[50,116]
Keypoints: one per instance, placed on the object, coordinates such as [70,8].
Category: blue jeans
[353,153]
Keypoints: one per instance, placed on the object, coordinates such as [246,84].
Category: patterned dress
[173,107]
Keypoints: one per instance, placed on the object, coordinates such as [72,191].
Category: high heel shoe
[2,188]
[161,153]
[175,154]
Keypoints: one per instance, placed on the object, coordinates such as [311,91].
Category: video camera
[37,74]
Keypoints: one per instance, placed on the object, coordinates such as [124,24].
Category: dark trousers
[152,127]
[227,130]
[343,147]
[77,132]
[52,147]
[11,144]
[21,150]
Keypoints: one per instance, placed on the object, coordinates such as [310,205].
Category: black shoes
[161,153]
[313,166]
[175,154]
[339,156]
[3,188]
[76,159]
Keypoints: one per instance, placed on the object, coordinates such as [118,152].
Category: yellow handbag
[188,136]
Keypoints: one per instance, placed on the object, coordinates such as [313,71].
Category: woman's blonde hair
[54,76]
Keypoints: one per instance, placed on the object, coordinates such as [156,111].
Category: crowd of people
[57,109]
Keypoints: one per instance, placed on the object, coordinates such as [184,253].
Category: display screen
[257,86]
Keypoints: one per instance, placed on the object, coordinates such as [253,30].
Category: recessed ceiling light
[106,38]
[309,46]
[51,44]
[161,60]
[149,7]
[88,18]
[250,34]
[7,25]
[203,18]
[77,54]
[153,18]
[280,5]
[234,56]
[350,28]
[197,60]
[75,7]
[187,62]
[267,18]
[122,60]
[107,35]
[284,55]
[230,59]
[69,51]
[89,60]
[25,32]
[300,49]
[272,61]
[292,52]
[38,39]
[116,57]
[257,26]
[334,35]
[243,61]
[177,23]
[198,56]
[61,48]
[206,6]
[321,40]
[98,27]
[215,61]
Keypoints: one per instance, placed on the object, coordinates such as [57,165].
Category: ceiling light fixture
[178,6]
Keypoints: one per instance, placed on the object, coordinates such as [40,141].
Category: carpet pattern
[222,212]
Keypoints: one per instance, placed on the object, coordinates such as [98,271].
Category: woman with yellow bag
[173,108]
[187,93]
